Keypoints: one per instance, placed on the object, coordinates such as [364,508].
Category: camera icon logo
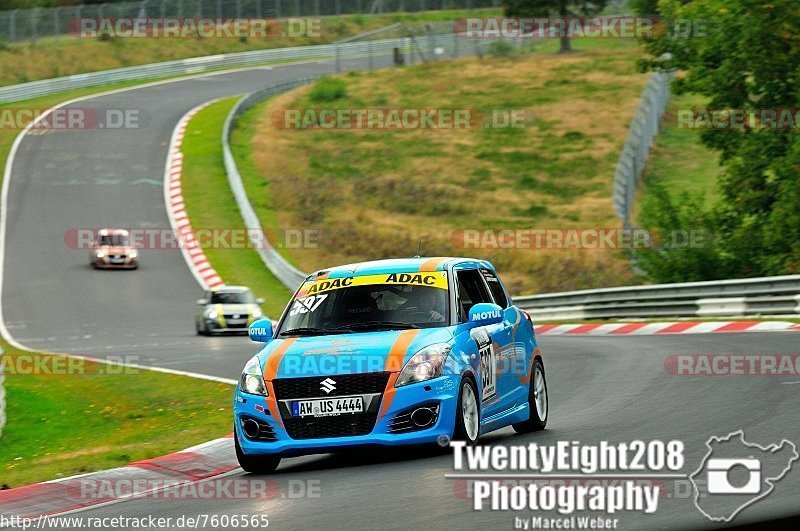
[735,474]
[718,476]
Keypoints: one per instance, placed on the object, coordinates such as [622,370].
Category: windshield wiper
[311,331]
[376,325]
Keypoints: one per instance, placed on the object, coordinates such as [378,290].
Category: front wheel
[468,415]
[255,464]
[537,401]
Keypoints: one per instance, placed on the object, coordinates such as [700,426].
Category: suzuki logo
[327,385]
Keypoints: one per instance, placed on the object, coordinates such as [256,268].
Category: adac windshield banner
[436,279]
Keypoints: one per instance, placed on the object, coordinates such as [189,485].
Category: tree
[563,9]
[745,55]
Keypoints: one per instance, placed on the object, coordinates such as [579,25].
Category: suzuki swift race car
[392,352]
[112,249]
[230,309]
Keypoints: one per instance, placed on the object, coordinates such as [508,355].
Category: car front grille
[345,384]
[347,424]
[323,427]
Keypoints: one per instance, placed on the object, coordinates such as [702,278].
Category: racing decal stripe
[394,363]
[432,264]
[221,316]
[270,371]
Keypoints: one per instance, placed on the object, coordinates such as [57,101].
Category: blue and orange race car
[391,352]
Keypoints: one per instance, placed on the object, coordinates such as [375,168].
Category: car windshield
[368,303]
[118,240]
[232,297]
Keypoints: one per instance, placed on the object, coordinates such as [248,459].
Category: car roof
[230,289]
[398,265]
[106,232]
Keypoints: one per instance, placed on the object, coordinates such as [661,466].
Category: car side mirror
[259,301]
[485,313]
[202,302]
[261,331]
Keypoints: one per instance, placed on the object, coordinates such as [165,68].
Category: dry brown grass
[376,193]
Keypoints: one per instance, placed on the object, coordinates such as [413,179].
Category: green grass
[679,161]
[210,204]
[67,424]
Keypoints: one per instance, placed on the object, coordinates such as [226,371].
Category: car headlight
[252,380]
[257,313]
[211,314]
[100,254]
[133,254]
[426,364]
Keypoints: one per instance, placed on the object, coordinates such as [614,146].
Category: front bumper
[127,263]
[216,327]
[441,391]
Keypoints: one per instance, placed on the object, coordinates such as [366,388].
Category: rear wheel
[254,464]
[537,401]
[468,415]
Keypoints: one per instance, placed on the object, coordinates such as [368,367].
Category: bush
[328,89]
[501,49]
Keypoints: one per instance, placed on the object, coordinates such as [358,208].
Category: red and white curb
[185,471]
[195,258]
[680,327]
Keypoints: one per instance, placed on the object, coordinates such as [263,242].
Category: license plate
[326,407]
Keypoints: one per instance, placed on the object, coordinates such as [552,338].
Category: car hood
[234,308]
[115,249]
[346,353]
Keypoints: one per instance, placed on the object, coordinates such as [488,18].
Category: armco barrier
[197,65]
[740,297]
[290,276]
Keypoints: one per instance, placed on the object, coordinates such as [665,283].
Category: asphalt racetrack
[601,388]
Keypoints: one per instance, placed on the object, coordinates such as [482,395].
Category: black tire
[261,464]
[534,422]
[460,432]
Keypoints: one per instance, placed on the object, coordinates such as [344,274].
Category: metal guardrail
[739,297]
[197,65]
[33,24]
[641,133]
[289,276]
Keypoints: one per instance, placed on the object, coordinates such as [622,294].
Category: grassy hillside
[376,192]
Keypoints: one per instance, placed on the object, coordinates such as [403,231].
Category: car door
[516,351]
[490,341]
